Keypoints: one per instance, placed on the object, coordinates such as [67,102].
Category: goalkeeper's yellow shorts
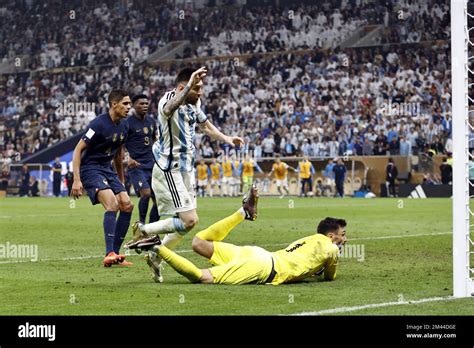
[240,265]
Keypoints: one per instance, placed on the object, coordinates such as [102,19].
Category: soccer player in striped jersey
[173,174]
[216,175]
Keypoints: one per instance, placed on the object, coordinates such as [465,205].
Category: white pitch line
[75,258]
[402,236]
[374,305]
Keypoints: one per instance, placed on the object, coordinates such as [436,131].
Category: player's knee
[145,194]
[126,206]
[197,244]
[189,223]
[111,205]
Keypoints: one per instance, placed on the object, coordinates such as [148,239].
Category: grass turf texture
[413,267]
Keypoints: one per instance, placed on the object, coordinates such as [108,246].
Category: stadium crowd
[325,102]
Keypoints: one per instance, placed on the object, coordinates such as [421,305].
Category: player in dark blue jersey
[141,136]
[103,142]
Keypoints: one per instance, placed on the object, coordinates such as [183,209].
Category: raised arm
[173,104]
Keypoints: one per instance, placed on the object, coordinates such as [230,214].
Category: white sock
[164,226]
[172,240]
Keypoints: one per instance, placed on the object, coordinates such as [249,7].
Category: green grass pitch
[407,256]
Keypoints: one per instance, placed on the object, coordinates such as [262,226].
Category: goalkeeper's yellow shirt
[305,257]
[227,169]
[280,170]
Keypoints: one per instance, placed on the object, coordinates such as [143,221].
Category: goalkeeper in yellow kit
[315,254]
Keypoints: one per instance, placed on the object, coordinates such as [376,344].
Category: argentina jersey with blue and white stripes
[174,148]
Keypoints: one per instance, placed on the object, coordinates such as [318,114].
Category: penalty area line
[375,305]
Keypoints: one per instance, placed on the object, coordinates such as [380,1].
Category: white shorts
[227,180]
[174,191]
[202,183]
[283,182]
[235,180]
[216,182]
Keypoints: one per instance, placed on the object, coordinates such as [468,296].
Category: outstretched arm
[215,134]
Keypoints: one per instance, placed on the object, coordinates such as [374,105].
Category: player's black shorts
[97,178]
[140,178]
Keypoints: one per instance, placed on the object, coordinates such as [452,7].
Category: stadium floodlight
[461,48]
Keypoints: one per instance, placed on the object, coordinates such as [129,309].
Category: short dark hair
[116,95]
[330,224]
[139,96]
[184,75]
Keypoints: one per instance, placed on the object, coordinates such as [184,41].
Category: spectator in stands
[367,147]
[446,172]
[381,145]
[268,146]
[391,174]
[405,147]
[394,146]
[339,177]
[207,151]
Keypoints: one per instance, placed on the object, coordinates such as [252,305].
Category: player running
[101,143]
[216,175]
[142,134]
[313,255]
[280,169]
[173,178]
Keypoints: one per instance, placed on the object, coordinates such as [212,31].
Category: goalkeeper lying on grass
[315,254]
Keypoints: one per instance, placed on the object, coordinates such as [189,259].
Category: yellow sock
[180,264]
[221,229]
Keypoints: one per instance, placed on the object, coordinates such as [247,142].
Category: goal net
[462,60]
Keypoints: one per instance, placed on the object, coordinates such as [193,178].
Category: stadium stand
[293,80]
